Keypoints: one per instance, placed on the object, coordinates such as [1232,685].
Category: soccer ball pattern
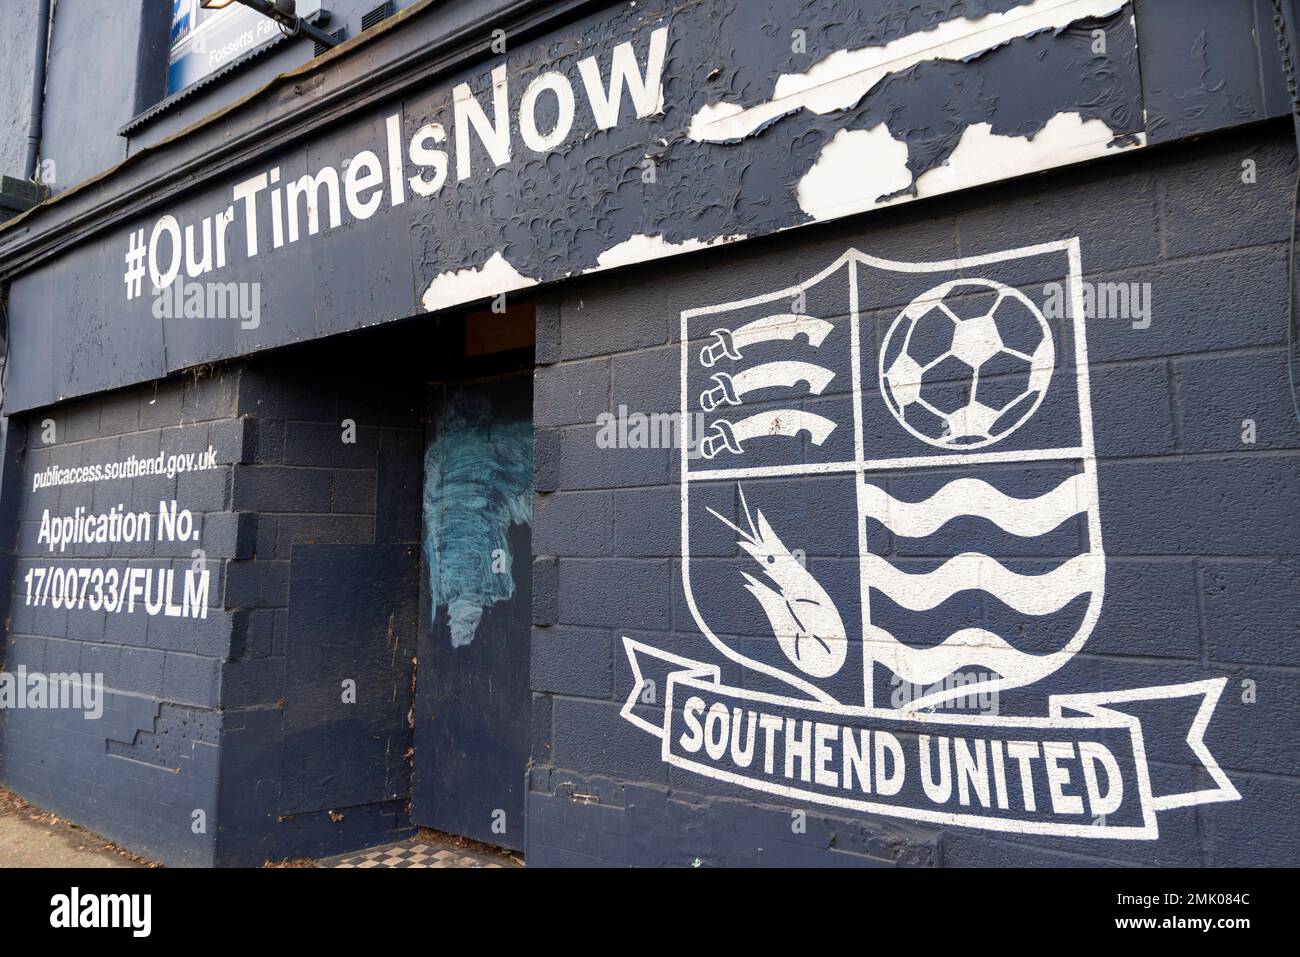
[966,363]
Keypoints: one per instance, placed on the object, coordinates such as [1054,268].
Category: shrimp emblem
[804,619]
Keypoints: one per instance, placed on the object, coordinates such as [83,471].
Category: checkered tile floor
[416,853]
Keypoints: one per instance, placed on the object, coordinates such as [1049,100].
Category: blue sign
[203,41]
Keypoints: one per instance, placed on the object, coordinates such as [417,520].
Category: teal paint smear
[478,482]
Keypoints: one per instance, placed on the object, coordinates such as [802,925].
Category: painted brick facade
[237,714]
[313,545]
[328,594]
[284,722]
[139,773]
[1201,530]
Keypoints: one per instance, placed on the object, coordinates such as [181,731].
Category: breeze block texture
[226,739]
[1198,457]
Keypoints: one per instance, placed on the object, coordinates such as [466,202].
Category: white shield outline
[1084,452]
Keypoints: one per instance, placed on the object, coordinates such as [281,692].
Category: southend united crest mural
[893,512]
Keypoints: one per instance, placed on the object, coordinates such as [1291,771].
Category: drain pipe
[38,88]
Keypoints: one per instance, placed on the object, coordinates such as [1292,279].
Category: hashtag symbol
[134,275]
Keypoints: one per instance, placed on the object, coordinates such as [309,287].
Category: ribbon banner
[1080,771]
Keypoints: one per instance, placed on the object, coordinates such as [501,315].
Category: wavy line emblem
[1022,517]
[823,561]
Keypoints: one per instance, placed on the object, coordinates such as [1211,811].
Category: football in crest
[966,363]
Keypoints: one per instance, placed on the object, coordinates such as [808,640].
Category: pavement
[30,837]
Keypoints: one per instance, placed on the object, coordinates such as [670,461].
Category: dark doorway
[472,690]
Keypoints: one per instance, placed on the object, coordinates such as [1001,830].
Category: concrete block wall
[288,739]
[1201,529]
[139,773]
[224,716]
[228,714]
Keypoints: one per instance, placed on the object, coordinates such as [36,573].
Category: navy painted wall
[1201,531]
[240,715]
[138,773]
[328,594]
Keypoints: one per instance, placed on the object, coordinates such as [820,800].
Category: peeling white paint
[859,167]
[982,156]
[643,248]
[458,286]
[853,171]
[841,79]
